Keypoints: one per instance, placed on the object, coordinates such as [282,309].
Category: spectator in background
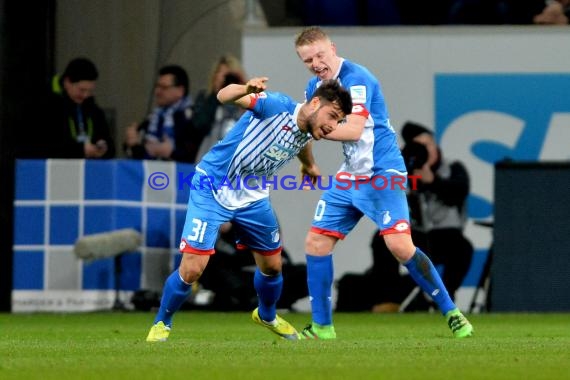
[167,133]
[438,216]
[212,118]
[556,12]
[73,125]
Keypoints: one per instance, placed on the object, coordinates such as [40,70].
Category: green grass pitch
[230,346]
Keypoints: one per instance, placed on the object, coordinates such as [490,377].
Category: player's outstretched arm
[349,131]
[239,93]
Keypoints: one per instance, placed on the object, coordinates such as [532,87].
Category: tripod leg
[484,283]
[118,304]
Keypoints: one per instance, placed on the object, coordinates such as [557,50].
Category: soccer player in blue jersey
[230,185]
[371,152]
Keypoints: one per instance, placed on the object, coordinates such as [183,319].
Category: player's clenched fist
[256,85]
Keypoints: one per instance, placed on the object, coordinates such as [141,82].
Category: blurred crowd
[178,128]
[441,12]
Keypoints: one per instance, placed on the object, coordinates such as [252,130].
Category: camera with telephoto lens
[415,156]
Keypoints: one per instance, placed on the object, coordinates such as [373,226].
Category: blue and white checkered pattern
[58,201]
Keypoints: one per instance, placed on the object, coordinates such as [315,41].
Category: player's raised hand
[239,93]
[256,85]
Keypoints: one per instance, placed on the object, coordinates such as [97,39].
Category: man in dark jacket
[72,125]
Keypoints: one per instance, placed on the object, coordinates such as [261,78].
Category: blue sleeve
[365,90]
[361,88]
[272,103]
[310,89]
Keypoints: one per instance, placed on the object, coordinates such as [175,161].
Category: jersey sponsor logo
[278,152]
[358,94]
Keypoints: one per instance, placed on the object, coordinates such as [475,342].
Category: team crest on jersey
[278,152]
[275,236]
[358,94]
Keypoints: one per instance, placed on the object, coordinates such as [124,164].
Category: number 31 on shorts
[198,230]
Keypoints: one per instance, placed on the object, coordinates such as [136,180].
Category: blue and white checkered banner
[59,201]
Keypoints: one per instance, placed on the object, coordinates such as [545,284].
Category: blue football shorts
[345,203]
[256,224]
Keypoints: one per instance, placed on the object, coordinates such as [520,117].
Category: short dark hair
[179,74]
[411,130]
[80,69]
[331,91]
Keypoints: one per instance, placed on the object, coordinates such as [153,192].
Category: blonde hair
[234,67]
[309,35]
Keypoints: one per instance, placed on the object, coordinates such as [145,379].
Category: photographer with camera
[438,215]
